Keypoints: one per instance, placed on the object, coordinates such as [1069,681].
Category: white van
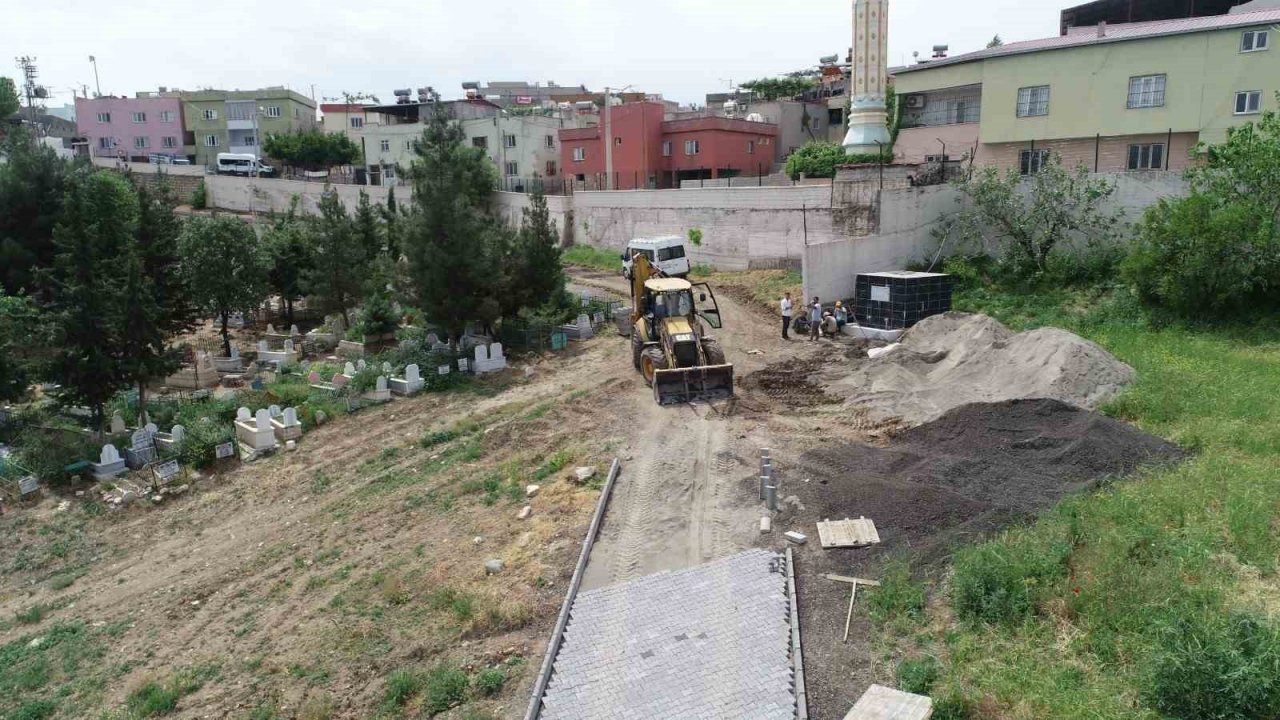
[667,253]
[241,164]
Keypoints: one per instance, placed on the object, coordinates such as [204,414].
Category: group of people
[822,322]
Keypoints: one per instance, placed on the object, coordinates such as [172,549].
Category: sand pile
[955,359]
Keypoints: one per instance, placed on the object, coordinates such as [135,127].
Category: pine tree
[225,267]
[340,262]
[289,246]
[157,302]
[367,228]
[17,341]
[392,225]
[452,265]
[87,304]
[539,277]
[33,183]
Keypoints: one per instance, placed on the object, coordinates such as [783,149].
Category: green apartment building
[1134,96]
[235,121]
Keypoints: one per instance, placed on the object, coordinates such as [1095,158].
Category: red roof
[1081,36]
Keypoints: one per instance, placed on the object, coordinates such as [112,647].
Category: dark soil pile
[788,383]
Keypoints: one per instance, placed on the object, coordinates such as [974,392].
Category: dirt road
[683,497]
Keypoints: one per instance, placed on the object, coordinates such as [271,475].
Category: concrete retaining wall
[228,192]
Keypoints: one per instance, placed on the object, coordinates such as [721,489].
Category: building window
[480,142]
[140,143]
[357,122]
[551,168]
[1146,91]
[511,169]
[937,158]
[297,113]
[551,142]
[385,145]
[1146,157]
[508,141]
[389,172]
[691,147]
[211,141]
[1030,161]
[666,148]
[1253,40]
[169,142]
[105,143]
[139,117]
[1033,101]
[1248,102]
[617,141]
[104,117]
[579,154]
[166,116]
[210,114]
[272,111]
[249,140]
[408,145]
[751,147]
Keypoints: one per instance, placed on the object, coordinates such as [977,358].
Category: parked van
[667,253]
[241,164]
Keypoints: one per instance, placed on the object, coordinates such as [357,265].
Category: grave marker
[164,472]
[224,450]
[28,484]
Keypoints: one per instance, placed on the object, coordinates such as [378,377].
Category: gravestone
[349,370]
[288,346]
[262,346]
[224,450]
[243,414]
[256,383]
[290,417]
[271,329]
[463,365]
[117,423]
[163,473]
[293,330]
[274,410]
[178,433]
[411,373]
[432,339]
[201,394]
[443,370]
[235,352]
[598,318]
[28,485]
[109,463]
[305,366]
[410,383]
[314,378]
[151,428]
[286,425]
[361,365]
[382,383]
[386,368]
[262,419]
[339,380]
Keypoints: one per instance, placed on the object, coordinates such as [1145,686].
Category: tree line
[99,275]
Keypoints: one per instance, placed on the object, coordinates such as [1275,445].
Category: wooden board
[847,533]
[882,703]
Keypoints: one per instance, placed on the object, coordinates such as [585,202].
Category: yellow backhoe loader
[669,343]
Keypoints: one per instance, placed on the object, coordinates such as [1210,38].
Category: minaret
[867,112]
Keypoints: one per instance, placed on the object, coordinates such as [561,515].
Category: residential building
[1127,11]
[798,122]
[344,118]
[223,121]
[1134,96]
[133,128]
[520,146]
[66,112]
[650,152]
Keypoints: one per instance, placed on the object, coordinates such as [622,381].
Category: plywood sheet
[848,533]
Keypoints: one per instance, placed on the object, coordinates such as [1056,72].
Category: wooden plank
[847,579]
[848,533]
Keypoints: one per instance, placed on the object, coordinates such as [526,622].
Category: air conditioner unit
[915,102]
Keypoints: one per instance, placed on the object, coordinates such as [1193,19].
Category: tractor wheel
[652,359]
[715,353]
[637,345]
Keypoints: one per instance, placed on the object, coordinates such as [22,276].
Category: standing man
[786,315]
[815,319]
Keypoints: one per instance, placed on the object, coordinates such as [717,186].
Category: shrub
[35,710]
[402,685]
[1003,580]
[898,596]
[918,675]
[489,682]
[1215,666]
[200,197]
[819,159]
[446,686]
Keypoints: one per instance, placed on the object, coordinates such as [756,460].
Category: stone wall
[249,195]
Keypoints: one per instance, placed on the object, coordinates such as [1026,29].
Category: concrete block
[766,524]
[795,537]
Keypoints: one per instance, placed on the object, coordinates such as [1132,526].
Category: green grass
[1109,604]
[593,257]
[47,672]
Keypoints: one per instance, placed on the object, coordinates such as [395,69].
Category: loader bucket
[681,385]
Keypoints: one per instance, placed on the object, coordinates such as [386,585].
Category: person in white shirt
[786,315]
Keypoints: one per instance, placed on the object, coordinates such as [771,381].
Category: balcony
[952,106]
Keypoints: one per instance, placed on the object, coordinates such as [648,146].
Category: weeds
[897,597]
[489,682]
[918,675]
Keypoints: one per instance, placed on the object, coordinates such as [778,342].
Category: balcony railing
[942,112]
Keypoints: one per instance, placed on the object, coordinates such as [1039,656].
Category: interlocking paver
[710,641]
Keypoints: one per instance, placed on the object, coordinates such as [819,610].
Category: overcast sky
[680,48]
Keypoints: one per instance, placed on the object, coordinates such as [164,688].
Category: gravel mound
[956,359]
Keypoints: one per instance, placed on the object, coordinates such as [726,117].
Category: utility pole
[97,85]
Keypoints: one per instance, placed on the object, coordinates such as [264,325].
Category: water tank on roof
[404,92]
[755,117]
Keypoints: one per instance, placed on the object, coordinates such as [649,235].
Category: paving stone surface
[711,641]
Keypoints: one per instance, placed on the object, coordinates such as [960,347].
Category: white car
[667,253]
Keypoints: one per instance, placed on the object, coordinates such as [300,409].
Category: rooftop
[1082,36]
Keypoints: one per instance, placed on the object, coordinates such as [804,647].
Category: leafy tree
[820,159]
[781,87]
[17,330]
[312,149]
[87,297]
[225,267]
[289,246]
[367,228]
[537,273]
[995,42]
[33,184]
[8,98]
[157,303]
[339,263]
[377,316]
[1216,253]
[451,265]
[1028,219]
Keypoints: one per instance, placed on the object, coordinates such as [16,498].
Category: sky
[682,49]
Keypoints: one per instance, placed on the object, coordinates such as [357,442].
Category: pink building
[649,152]
[133,128]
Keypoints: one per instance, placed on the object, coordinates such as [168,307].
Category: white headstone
[386,368]
[305,365]
[443,370]
[463,365]
[262,346]
[432,339]
[482,354]
[263,419]
[274,410]
[271,329]
[117,423]
[288,345]
[109,454]
[243,414]
[151,428]
[141,439]
[584,322]
[349,370]
[361,364]
[293,330]
[382,383]
[178,433]
[495,352]
[235,353]
[411,373]
[290,417]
